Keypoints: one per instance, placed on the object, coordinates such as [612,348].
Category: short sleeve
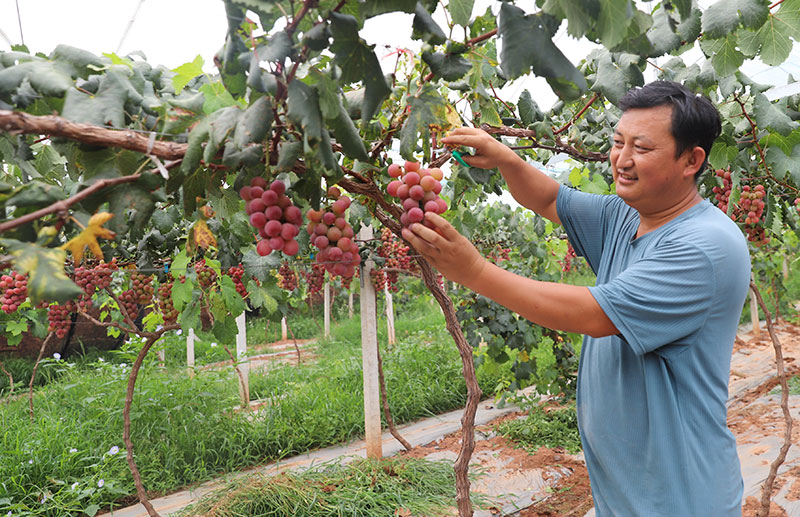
[588,219]
[661,299]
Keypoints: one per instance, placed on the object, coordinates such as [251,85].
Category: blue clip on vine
[459,159]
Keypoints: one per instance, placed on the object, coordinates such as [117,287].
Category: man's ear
[694,160]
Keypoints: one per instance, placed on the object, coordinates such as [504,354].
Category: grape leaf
[529,111]
[88,238]
[773,37]
[288,154]
[200,236]
[372,8]
[46,77]
[107,106]
[304,112]
[83,62]
[278,48]
[259,267]
[461,11]
[769,115]
[614,79]
[186,72]
[613,21]
[254,124]
[216,97]
[134,200]
[449,67]
[725,56]
[662,34]
[579,14]
[789,14]
[782,163]
[689,28]
[520,34]
[425,28]
[725,16]
[426,108]
[233,300]
[358,63]
[45,269]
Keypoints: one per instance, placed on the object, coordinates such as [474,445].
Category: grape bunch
[237,273]
[750,209]
[287,279]
[142,286]
[15,291]
[165,305]
[566,264]
[272,212]
[315,279]
[397,259]
[58,317]
[205,275]
[378,277]
[128,299]
[797,204]
[95,277]
[418,189]
[329,231]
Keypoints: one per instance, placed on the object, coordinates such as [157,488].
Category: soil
[750,417]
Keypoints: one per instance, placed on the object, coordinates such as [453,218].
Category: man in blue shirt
[672,276]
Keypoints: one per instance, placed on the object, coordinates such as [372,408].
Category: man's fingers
[441,226]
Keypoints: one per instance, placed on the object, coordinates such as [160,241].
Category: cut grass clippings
[551,428]
[362,488]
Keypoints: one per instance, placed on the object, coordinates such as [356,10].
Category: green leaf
[16,328]
[345,132]
[288,154]
[769,115]
[725,16]
[259,267]
[612,24]
[260,298]
[689,29]
[107,106]
[186,72]
[189,317]
[722,154]
[449,67]
[358,63]
[789,15]
[684,8]
[45,269]
[372,8]
[182,293]
[662,34]
[580,14]
[427,107]
[216,97]
[233,300]
[615,77]
[781,163]
[774,39]
[255,123]
[132,206]
[461,11]
[179,265]
[304,112]
[725,57]
[48,78]
[278,49]
[520,34]
[425,28]
[529,111]
[83,61]
[91,510]
[36,193]
[194,153]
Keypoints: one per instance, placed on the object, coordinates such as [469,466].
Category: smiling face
[647,174]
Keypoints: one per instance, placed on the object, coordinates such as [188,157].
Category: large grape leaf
[769,115]
[84,63]
[616,76]
[613,21]
[449,67]
[529,110]
[579,14]
[46,77]
[461,11]
[781,163]
[425,28]
[370,8]
[725,16]
[278,48]
[107,106]
[521,33]
[689,29]
[789,14]
[773,38]
[662,34]
[254,124]
[186,72]
[303,110]
[358,63]
[133,207]
[725,56]
[45,269]
[426,108]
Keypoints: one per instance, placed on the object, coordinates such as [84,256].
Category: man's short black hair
[695,120]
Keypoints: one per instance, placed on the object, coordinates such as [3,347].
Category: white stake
[327,310]
[389,315]
[284,332]
[369,356]
[190,352]
[241,359]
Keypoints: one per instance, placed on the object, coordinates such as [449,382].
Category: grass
[794,387]
[185,430]
[363,488]
[555,427]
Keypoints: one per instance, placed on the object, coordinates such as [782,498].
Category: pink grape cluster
[236,273]
[58,317]
[15,291]
[418,189]
[128,299]
[329,231]
[272,212]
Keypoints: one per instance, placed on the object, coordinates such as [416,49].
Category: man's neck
[651,221]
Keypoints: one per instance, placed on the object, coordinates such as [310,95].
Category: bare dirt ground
[562,483]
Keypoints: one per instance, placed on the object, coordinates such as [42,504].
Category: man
[672,276]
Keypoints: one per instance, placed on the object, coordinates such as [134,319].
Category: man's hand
[446,249]
[488,152]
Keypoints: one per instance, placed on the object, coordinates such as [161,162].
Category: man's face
[647,174]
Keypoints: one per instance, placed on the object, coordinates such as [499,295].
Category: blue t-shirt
[652,399]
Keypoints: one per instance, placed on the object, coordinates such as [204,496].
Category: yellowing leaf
[200,236]
[88,237]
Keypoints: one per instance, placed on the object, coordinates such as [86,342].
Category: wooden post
[162,357]
[327,310]
[241,359]
[284,335]
[190,352]
[369,356]
[389,316]
[754,311]
[785,268]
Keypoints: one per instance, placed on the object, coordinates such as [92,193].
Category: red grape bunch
[165,304]
[272,212]
[129,306]
[397,258]
[722,194]
[142,285]
[750,209]
[15,291]
[329,231]
[418,189]
[236,273]
[59,318]
[287,279]
[205,275]
[315,279]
